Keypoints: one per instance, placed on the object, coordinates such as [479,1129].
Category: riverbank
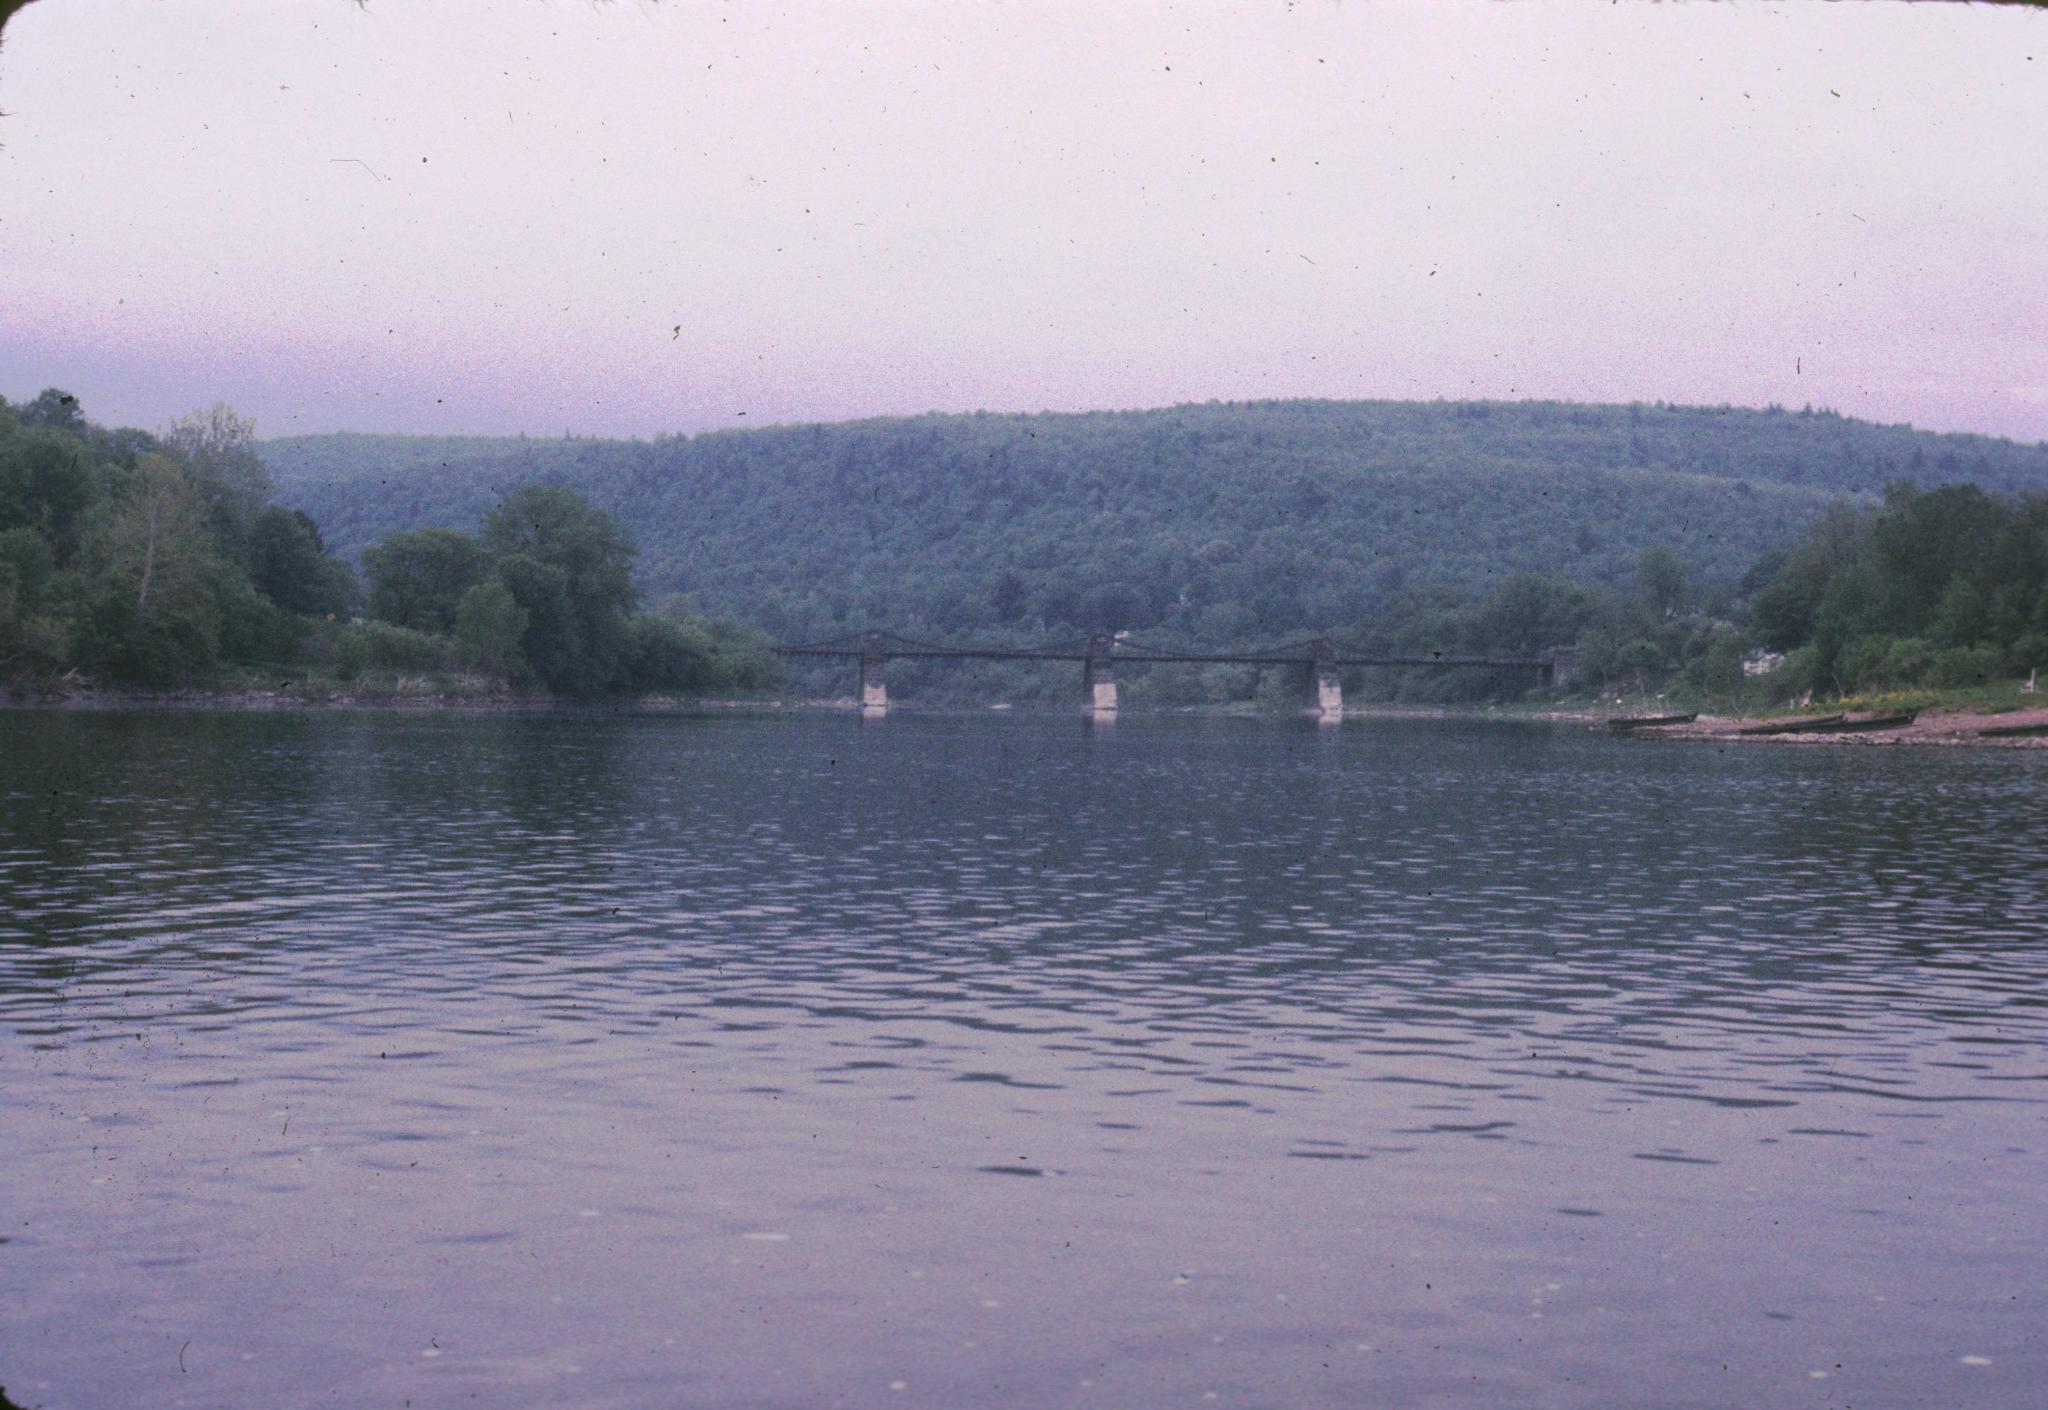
[480,695]
[1949,727]
[404,695]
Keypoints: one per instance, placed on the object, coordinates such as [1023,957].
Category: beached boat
[1648,721]
[2012,731]
[1875,722]
[1815,722]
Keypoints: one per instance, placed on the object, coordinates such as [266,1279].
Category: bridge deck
[1138,658]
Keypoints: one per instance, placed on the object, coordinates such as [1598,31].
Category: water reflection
[1383,1054]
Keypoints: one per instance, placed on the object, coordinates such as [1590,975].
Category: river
[963,1061]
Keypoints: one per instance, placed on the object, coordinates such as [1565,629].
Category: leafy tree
[252,628]
[569,566]
[57,410]
[154,617]
[675,649]
[289,565]
[157,542]
[1924,540]
[551,644]
[1863,662]
[1639,660]
[1964,666]
[30,566]
[1960,618]
[1008,598]
[1716,670]
[671,655]
[1783,612]
[1660,583]
[418,580]
[230,478]
[490,624]
[1528,614]
[47,483]
[1907,661]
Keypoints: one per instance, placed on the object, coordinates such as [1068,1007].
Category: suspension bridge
[1321,660]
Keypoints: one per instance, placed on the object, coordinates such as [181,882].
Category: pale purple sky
[543,215]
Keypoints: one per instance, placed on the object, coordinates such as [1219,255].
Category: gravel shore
[1947,728]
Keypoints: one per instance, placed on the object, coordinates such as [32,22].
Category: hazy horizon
[765,425]
[631,220]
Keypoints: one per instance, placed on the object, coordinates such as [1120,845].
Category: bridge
[1320,658]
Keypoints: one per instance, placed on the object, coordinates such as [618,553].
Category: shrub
[254,630]
[1962,666]
[379,646]
[1909,661]
[2029,653]
[670,655]
[1717,669]
[1864,662]
[1801,672]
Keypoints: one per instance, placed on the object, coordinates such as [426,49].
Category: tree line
[1217,522]
[154,560]
[1943,588]
[160,559]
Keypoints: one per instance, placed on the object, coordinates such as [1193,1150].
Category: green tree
[58,410]
[47,483]
[1960,617]
[490,624]
[1926,539]
[1528,614]
[1783,612]
[219,447]
[1660,583]
[569,566]
[1638,661]
[1717,669]
[418,580]
[30,565]
[291,566]
[154,617]
[672,654]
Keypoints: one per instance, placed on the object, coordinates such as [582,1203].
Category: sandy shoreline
[1945,728]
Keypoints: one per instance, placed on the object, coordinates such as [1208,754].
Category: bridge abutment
[1561,666]
[1325,696]
[1098,679]
[874,689]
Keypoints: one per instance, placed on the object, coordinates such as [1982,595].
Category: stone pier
[1325,699]
[1560,666]
[1098,679]
[874,690]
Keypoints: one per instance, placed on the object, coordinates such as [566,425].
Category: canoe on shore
[2012,731]
[1626,722]
[1817,722]
[1875,722]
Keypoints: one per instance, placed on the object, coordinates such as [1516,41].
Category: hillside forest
[1670,547]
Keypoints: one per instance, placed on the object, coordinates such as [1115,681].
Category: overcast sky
[539,215]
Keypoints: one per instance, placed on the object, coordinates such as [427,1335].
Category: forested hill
[1220,521]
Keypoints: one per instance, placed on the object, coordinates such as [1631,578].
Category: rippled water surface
[957,1062]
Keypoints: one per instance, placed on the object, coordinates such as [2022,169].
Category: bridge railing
[1312,651]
